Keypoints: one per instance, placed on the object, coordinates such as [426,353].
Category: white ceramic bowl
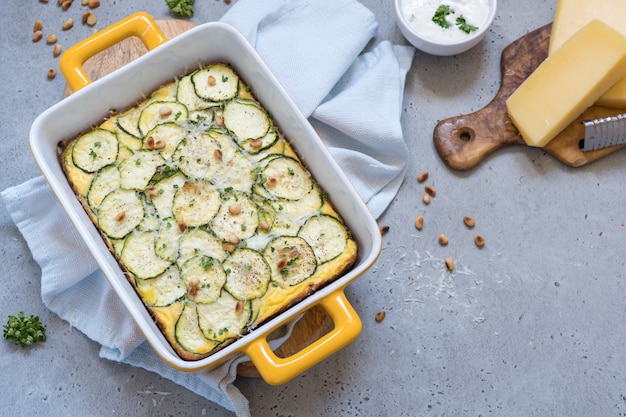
[443,47]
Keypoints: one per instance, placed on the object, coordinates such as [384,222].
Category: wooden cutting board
[464,141]
[315,322]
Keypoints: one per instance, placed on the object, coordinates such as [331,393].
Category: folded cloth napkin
[315,48]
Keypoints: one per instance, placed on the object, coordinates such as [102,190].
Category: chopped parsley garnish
[24,330]
[440,16]
[181,7]
[464,26]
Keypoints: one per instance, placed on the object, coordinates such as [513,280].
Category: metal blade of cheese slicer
[604,132]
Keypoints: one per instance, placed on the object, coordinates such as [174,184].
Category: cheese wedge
[571,15]
[568,82]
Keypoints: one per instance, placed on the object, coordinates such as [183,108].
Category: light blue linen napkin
[353,99]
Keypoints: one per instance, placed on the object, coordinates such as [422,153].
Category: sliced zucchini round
[126,140]
[291,259]
[79,179]
[286,178]
[201,117]
[198,156]
[215,83]
[196,242]
[287,224]
[238,173]
[237,217]
[163,290]
[105,181]
[129,121]
[164,137]
[247,274]
[137,170]
[119,213]
[163,191]
[168,240]
[159,112]
[196,203]
[246,119]
[188,333]
[326,235]
[204,278]
[151,219]
[309,203]
[95,150]
[226,318]
[139,256]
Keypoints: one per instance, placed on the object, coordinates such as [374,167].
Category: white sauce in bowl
[418,15]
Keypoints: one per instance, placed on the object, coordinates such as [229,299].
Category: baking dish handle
[276,370]
[138,24]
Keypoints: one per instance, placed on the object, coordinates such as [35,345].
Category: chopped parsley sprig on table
[181,7]
[24,330]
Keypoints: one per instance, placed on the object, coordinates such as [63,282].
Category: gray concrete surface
[531,325]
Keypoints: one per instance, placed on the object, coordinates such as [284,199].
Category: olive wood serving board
[315,322]
[464,141]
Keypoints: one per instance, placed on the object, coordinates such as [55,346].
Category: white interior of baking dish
[204,44]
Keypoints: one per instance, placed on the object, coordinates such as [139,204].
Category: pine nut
[450,264]
[211,81]
[217,154]
[93,3]
[264,225]
[165,111]
[239,307]
[419,222]
[442,239]
[234,209]
[159,144]
[91,19]
[51,73]
[422,176]
[68,24]
[38,25]
[229,247]
[430,190]
[380,316]
[234,239]
[479,240]
[469,221]
[153,191]
[120,216]
[426,199]
[57,50]
[52,38]
[182,226]
[37,36]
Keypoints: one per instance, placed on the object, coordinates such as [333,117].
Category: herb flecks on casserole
[208,209]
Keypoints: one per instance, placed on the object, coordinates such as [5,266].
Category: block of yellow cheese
[568,82]
[571,15]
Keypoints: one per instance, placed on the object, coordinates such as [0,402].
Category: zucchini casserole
[208,209]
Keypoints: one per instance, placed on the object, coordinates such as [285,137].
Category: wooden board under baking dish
[464,141]
[315,322]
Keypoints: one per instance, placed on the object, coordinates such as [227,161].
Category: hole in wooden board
[466,134]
